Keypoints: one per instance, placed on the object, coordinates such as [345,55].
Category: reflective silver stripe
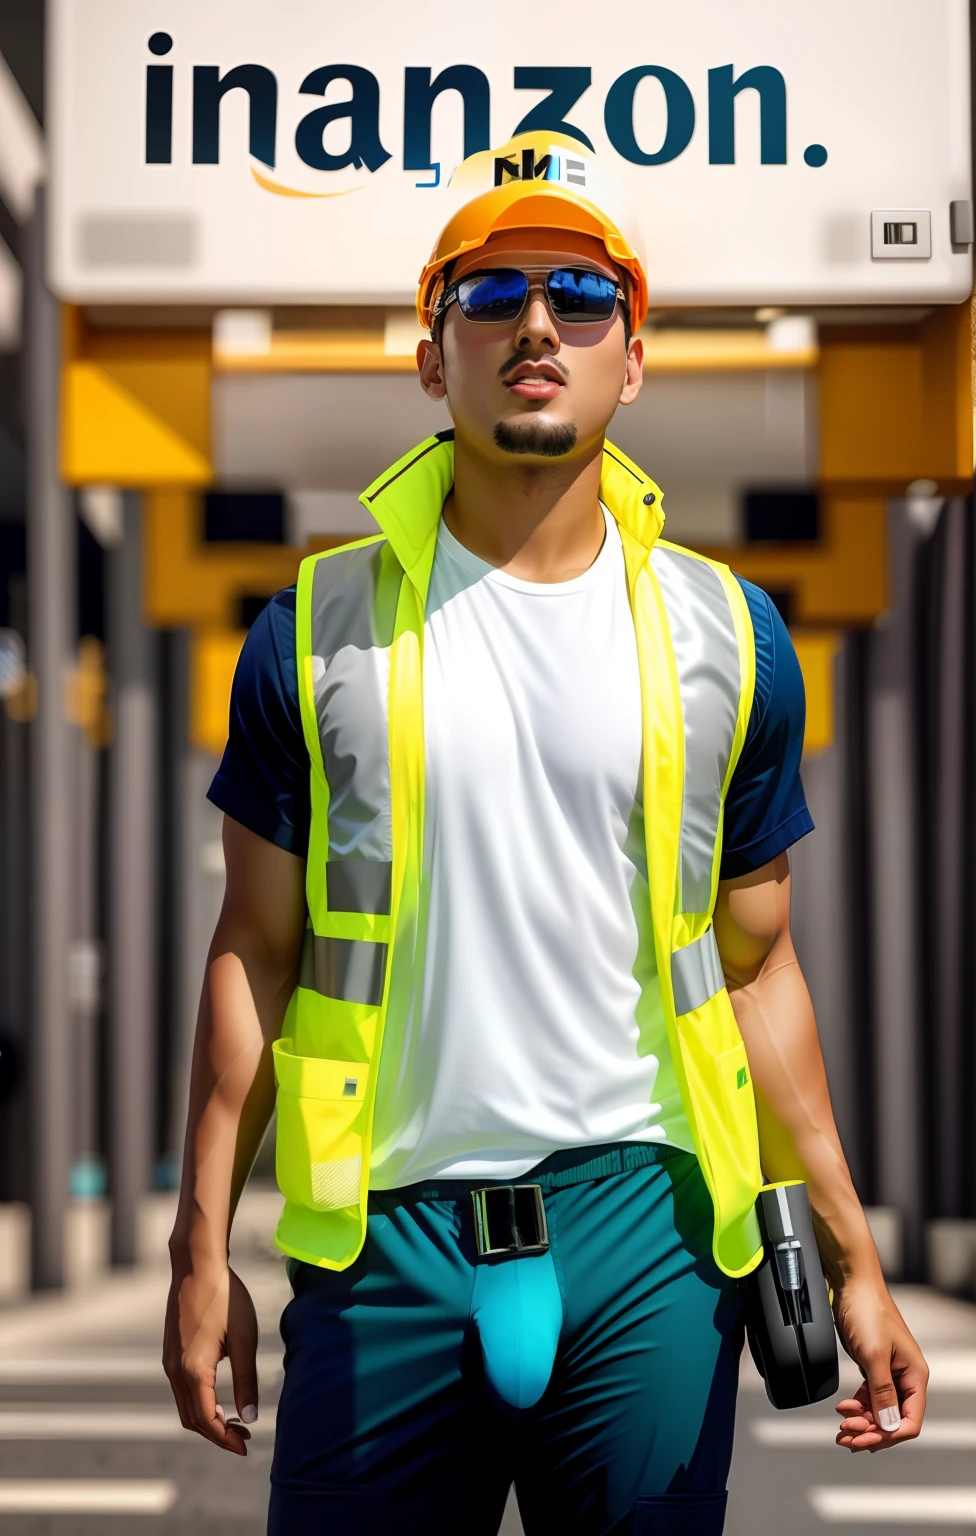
[358,885]
[353,607]
[707,657]
[696,973]
[351,970]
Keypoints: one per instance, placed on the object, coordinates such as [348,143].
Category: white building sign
[237,150]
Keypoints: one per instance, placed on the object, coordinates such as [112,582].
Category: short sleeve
[766,809]
[263,778]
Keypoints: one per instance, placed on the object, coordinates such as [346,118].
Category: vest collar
[407,500]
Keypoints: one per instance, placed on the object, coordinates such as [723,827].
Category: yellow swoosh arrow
[280,191]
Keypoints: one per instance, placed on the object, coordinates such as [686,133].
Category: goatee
[532,434]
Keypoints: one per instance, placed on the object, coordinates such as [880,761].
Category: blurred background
[203,360]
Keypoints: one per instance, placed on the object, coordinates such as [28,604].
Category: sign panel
[235,151]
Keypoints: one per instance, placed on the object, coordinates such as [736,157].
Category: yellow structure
[213,658]
[895,404]
[816,651]
[135,406]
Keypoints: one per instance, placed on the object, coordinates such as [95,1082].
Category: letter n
[722,91]
[208,92]
[419,95]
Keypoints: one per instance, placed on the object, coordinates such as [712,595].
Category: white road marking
[937,1434]
[952,1370]
[94,1421]
[134,1365]
[894,1506]
[88,1496]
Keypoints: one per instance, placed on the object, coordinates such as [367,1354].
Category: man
[508,795]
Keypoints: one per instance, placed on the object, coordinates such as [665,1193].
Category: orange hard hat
[538,180]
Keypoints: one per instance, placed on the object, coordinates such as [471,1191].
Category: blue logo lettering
[564,87]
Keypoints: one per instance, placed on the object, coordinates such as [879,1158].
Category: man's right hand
[209,1315]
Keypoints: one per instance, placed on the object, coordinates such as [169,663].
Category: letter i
[159,103]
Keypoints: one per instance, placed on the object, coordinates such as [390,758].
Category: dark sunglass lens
[581,295]
[497,295]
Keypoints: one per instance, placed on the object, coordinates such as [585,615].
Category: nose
[536,327]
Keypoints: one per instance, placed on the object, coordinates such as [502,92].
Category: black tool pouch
[788,1318]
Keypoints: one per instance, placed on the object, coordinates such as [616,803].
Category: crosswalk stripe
[937,1434]
[94,1421]
[135,1366]
[894,1506]
[87,1496]
[951,1370]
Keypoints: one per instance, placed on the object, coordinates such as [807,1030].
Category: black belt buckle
[509,1221]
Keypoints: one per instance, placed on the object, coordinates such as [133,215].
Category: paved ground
[90,1444]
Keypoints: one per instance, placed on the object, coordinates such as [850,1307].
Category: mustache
[517,358]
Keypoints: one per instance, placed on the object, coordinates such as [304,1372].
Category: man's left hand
[888,1407]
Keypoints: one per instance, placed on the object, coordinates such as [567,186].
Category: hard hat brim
[528,205]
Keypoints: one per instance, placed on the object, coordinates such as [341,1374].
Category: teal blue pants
[387,1423]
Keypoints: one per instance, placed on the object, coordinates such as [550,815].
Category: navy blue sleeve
[766,809]
[263,778]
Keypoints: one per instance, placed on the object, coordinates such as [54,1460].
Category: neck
[541,521]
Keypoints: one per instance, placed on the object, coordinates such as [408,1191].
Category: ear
[634,376]
[431,368]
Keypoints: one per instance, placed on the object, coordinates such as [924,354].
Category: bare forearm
[798,1140]
[231,1090]
[797,1134]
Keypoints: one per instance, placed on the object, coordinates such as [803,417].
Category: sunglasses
[574,294]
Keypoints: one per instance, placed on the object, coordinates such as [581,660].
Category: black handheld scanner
[788,1318]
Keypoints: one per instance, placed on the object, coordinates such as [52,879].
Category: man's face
[538,387]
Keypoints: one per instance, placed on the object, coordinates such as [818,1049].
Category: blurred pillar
[944,822]
[897,901]
[133,813]
[14,1032]
[823,918]
[87,1173]
[201,895]
[176,853]
[51,559]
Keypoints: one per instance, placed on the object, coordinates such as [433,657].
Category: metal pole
[945,896]
[179,850]
[87,1175]
[14,1030]
[132,859]
[897,902]
[823,917]
[51,555]
[201,895]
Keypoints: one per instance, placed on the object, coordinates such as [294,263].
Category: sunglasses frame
[449,295]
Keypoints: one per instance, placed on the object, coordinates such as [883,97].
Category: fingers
[912,1376]
[209,1315]
[242,1349]
[194,1389]
[207,1418]
[890,1405]
[244,1370]
[884,1393]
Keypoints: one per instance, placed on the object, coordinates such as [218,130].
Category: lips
[535,381]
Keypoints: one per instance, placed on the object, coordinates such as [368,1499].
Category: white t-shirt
[534,1022]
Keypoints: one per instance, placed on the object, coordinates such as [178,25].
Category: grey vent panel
[137,240]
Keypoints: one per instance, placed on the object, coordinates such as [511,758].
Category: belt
[560,1170]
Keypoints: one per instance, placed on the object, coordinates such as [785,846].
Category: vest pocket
[724,1107]
[321,1114]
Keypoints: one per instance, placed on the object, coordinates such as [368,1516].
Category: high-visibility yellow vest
[360,636]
